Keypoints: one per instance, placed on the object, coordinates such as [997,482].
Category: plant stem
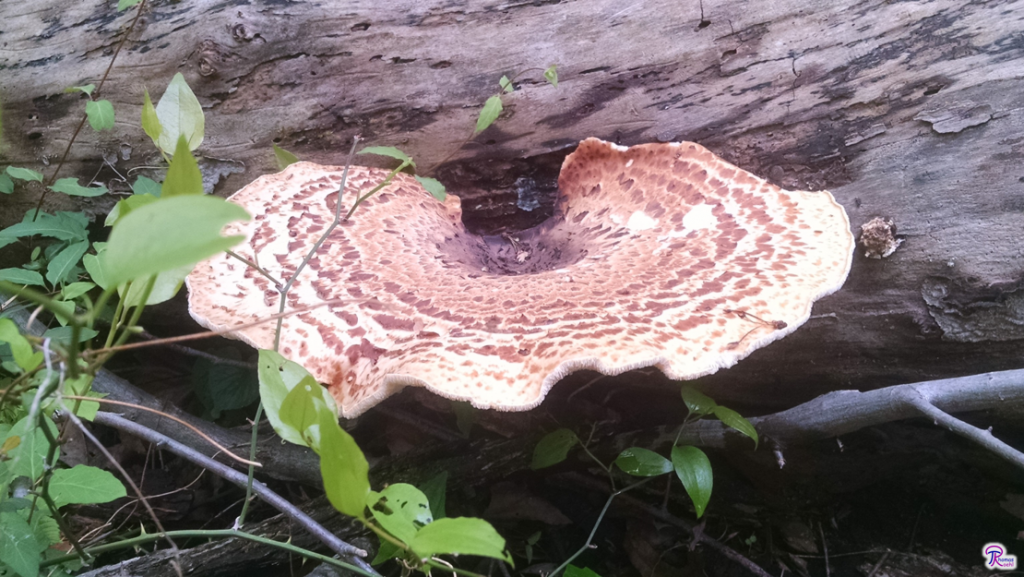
[209,534]
[597,524]
[252,469]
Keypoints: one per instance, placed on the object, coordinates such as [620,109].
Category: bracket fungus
[658,255]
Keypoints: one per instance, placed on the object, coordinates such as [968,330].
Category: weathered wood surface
[907,110]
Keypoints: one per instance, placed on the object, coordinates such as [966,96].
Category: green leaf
[183,176]
[27,459]
[490,112]
[84,485]
[284,158]
[223,387]
[61,265]
[123,5]
[64,311]
[168,234]
[24,356]
[433,186]
[94,265]
[506,84]
[390,151]
[697,402]
[150,121]
[278,376]
[387,550]
[344,469]
[81,386]
[100,114]
[180,114]
[434,488]
[19,549]
[24,174]
[553,448]
[641,462]
[460,536]
[144,186]
[62,335]
[126,205]
[6,184]
[733,419]
[574,571]
[400,509]
[75,290]
[22,276]
[694,470]
[299,411]
[70,186]
[465,417]
[62,226]
[551,75]
[167,284]
[88,88]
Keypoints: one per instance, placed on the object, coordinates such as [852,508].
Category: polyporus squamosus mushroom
[658,255]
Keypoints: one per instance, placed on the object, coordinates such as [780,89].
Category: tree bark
[904,110]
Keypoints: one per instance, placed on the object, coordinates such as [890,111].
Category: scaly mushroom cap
[658,255]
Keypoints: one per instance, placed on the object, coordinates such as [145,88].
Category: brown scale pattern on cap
[659,255]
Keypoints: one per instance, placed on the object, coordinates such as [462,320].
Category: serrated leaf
[123,5]
[24,356]
[88,88]
[278,376]
[284,158]
[61,265]
[506,84]
[100,114]
[24,174]
[168,234]
[460,536]
[733,419]
[145,185]
[551,75]
[150,121]
[694,469]
[553,448]
[641,462]
[433,186]
[697,402]
[400,509]
[6,184]
[488,114]
[22,276]
[70,187]
[389,151]
[84,485]
[183,175]
[344,468]
[19,549]
[180,114]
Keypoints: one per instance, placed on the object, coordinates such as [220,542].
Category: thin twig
[203,435]
[350,552]
[983,437]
